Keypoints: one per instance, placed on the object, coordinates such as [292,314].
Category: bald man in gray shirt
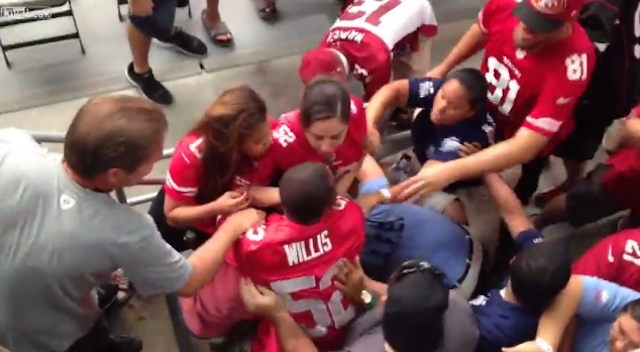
[61,234]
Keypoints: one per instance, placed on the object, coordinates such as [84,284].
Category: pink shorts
[217,306]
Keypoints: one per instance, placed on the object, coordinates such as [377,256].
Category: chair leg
[120,17]
[75,25]
[4,55]
[189,10]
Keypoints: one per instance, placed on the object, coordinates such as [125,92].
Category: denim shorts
[160,23]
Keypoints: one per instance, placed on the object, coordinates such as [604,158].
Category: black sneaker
[149,86]
[185,43]
[123,343]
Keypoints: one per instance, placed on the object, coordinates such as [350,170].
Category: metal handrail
[121,196]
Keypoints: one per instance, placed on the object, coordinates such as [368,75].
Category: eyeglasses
[414,266]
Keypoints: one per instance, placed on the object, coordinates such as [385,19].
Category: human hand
[350,278]
[437,72]
[261,301]
[373,140]
[529,346]
[140,7]
[232,201]
[243,220]
[433,178]
[468,149]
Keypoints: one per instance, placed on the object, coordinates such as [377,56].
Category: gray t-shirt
[58,241]
[461,330]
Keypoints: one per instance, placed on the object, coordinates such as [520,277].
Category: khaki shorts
[414,64]
[439,200]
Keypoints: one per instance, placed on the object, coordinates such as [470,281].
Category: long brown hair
[225,126]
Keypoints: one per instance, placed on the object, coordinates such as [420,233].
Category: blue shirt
[442,142]
[396,233]
[601,303]
[502,323]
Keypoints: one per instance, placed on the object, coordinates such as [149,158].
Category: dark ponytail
[474,83]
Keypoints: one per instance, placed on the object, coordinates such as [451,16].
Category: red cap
[547,15]
[319,61]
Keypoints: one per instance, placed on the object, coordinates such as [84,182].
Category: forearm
[188,215]
[207,258]
[514,151]
[471,43]
[558,316]
[392,95]
[376,288]
[291,336]
[265,196]
[631,132]
[508,204]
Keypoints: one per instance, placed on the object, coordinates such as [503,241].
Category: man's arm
[154,267]
[470,44]
[519,149]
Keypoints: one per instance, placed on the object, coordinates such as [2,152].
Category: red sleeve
[486,14]
[429,26]
[184,170]
[565,80]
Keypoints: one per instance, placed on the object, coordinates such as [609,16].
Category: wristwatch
[385,194]
[368,299]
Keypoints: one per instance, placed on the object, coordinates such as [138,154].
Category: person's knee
[158,25]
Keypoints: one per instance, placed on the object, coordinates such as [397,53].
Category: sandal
[219,34]
[268,12]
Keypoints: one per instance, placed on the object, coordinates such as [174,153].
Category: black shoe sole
[179,49]
[135,84]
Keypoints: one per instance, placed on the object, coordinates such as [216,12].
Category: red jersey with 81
[298,262]
[291,147]
[537,89]
[185,173]
[368,30]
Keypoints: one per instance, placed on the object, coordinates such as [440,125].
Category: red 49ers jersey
[367,31]
[538,89]
[185,173]
[615,258]
[291,147]
[298,262]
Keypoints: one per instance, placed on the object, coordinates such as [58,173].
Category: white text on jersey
[303,251]
[351,35]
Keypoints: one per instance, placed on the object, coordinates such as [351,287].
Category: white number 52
[325,315]
[576,67]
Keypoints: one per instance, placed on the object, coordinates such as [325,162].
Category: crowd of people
[303,241]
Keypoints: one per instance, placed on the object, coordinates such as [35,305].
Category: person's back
[46,297]
[428,236]
[295,255]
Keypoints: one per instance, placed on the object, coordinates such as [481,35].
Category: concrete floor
[38,79]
